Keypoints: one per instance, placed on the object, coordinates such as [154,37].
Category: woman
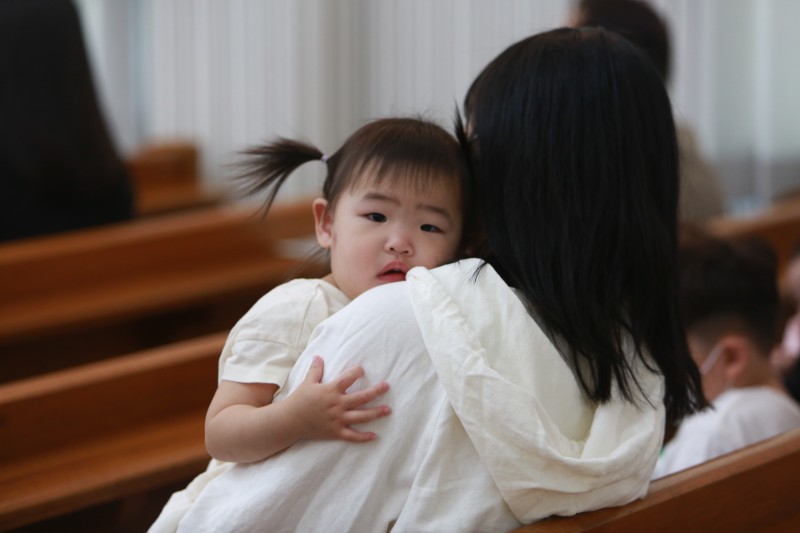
[536,382]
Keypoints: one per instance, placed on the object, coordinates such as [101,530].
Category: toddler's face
[378,232]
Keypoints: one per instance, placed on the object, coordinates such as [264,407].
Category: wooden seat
[752,489]
[78,297]
[105,431]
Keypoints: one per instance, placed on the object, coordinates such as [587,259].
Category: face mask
[711,360]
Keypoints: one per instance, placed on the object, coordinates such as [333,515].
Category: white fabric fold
[547,449]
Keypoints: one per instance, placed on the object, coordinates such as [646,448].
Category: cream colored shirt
[262,347]
[266,342]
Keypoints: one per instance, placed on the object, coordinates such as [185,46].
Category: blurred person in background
[701,196]
[786,355]
[729,306]
[59,168]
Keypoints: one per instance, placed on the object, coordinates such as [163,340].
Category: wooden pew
[166,178]
[753,489]
[105,431]
[779,225]
[79,297]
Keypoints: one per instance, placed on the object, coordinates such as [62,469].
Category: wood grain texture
[92,434]
[79,297]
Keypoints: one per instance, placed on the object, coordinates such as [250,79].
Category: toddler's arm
[243,425]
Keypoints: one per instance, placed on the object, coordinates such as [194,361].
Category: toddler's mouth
[394,271]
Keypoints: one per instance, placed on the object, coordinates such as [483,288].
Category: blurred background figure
[59,168]
[729,306]
[786,355]
[701,195]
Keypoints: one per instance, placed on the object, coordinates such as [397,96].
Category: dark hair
[58,165]
[412,150]
[636,21]
[576,175]
[731,280]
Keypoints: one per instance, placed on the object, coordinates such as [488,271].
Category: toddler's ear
[323,222]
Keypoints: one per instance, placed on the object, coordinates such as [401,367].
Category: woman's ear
[323,222]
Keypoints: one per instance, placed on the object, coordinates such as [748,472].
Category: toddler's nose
[399,244]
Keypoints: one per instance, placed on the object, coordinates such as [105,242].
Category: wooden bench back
[73,298]
[779,226]
[92,434]
[166,178]
[752,489]
[181,243]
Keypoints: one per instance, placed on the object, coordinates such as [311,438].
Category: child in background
[786,356]
[729,303]
[394,198]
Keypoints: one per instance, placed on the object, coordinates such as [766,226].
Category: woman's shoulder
[472,271]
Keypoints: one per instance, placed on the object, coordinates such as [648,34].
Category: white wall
[231,74]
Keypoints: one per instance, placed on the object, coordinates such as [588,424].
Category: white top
[266,342]
[740,417]
[489,428]
[261,348]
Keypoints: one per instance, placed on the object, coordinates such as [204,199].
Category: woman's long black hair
[575,162]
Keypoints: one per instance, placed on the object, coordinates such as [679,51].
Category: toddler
[394,198]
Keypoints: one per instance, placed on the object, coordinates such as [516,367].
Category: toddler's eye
[430,228]
[376,217]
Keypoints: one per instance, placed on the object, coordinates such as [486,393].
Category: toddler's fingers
[354,399]
[351,435]
[361,416]
[348,377]
[314,374]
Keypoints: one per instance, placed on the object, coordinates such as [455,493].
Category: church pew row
[752,489]
[166,178]
[105,431]
[118,429]
[83,296]
[779,225]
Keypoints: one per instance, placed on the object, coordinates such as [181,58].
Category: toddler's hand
[327,411]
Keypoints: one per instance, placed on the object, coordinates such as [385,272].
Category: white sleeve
[265,344]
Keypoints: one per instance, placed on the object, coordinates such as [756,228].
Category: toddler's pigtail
[267,167]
